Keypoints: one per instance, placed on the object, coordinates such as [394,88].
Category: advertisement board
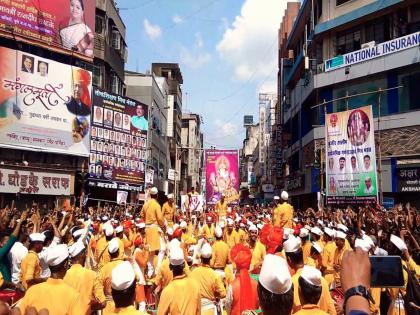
[350,157]
[33,182]
[62,24]
[408,179]
[118,138]
[44,105]
[222,175]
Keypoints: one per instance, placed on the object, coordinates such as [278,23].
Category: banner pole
[379,171]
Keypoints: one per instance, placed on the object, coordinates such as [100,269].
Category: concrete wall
[330,10]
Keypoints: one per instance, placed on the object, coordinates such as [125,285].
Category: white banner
[38,183]
[196,203]
[122,197]
[44,105]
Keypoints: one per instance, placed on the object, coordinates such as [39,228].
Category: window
[97,76]
[339,2]
[409,94]
[348,41]
[99,24]
[116,39]
[378,31]
[115,84]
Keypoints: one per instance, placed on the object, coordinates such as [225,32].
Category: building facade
[153,91]
[191,153]
[349,54]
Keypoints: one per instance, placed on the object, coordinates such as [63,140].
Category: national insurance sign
[365,54]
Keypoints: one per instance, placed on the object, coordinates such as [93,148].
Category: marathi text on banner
[44,104]
[65,24]
[31,182]
[222,175]
[118,138]
[350,157]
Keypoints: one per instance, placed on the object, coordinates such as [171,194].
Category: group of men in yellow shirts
[120,266]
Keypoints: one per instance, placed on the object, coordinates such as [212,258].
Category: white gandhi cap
[206,251]
[284,195]
[274,275]
[57,254]
[76,248]
[311,275]
[176,256]
[37,237]
[113,245]
[122,276]
[292,244]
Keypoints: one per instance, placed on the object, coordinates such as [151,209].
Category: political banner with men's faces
[350,157]
[118,138]
[44,105]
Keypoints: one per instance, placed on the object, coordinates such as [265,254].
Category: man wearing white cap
[310,290]
[316,236]
[101,251]
[294,258]
[257,248]
[275,287]
[221,208]
[306,244]
[340,238]
[283,213]
[84,280]
[105,273]
[123,289]
[151,213]
[231,237]
[30,270]
[168,211]
[182,294]
[211,285]
[328,254]
[220,252]
[54,295]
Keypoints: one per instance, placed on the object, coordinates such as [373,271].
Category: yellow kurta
[130,310]
[325,303]
[338,256]
[220,255]
[221,208]
[87,284]
[168,212]
[306,251]
[101,253]
[207,232]
[105,277]
[258,254]
[283,216]
[232,239]
[211,286]
[53,295]
[164,274]
[310,309]
[181,296]
[328,261]
[30,268]
[152,216]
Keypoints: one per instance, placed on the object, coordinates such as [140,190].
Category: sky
[226,49]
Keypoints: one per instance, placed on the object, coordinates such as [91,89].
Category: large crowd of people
[219,260]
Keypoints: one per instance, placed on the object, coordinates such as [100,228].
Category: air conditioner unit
[369,44]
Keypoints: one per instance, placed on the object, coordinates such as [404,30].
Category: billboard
[61,24]
[44,105]
[34,182]
[222,175]
[350,157]
[118,138]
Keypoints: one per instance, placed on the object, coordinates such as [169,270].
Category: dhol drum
[151,299]
[10,296]
[338,296]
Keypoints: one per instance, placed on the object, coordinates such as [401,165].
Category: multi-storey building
[350,54]
[284,55]
[191,152]
[110,53]
[153,91]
